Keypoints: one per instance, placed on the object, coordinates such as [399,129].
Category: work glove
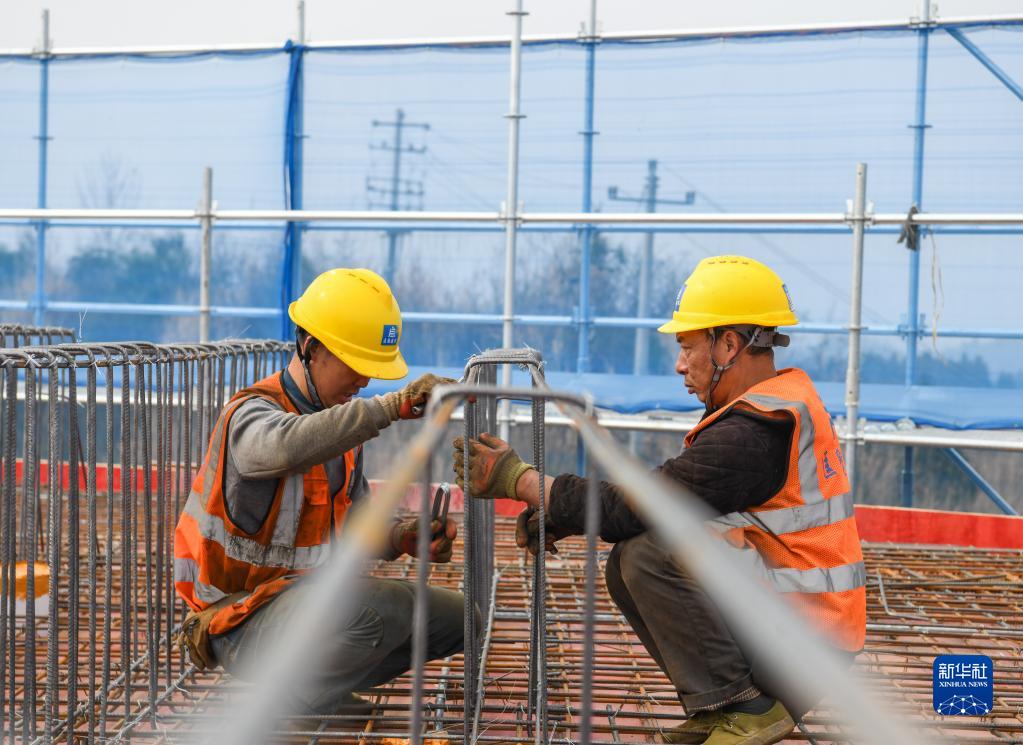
[527,532]
[405,538]
[494,467]
[410,401]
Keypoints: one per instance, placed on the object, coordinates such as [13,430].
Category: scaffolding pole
[39,297]
[294,137]
[981,483]
[701,34]
[913,321]
[205,255]
[760,220]
[590,39]
[852,375]
[511,206]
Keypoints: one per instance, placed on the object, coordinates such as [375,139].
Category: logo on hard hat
[390,337]
[678,298]
[788,298]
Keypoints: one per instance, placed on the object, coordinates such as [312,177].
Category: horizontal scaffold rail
[485,319]
[572,218]
[499,40]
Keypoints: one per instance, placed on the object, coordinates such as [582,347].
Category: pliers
[441,502]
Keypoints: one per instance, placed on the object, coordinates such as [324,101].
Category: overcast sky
[158,22]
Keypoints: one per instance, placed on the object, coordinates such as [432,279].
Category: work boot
[694,730]
[737,728]
[356,709]
[359,711]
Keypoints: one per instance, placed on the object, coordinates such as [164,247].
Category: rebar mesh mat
[923,601]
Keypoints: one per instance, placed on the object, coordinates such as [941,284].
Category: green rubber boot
[752,729]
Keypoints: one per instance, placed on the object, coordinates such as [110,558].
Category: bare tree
[110,184]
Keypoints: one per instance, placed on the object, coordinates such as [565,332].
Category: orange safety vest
[214,558]
[805,535]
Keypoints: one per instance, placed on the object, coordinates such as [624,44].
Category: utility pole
[397,187]
[650,200]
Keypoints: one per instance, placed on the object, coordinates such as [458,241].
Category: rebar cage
[110,456]
[93,482]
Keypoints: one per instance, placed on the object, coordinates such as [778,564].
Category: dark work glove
[405,538]
[527,532]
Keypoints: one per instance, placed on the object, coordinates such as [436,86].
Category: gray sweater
[266,443]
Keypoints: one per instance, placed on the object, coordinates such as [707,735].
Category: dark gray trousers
[685,633]
[363,650]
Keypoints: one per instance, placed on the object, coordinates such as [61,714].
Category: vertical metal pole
[852,373]
[919,129]
[469,562]
[583,360]
[39,297]
[641,353]
[511,207]
[295,139]
[298,150]
[421,613]
[206,221]
[592,523]
[392,234]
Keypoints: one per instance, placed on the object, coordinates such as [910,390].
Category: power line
[649,200]
[395,188]
[801,266]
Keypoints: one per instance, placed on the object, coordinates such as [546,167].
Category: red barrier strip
[876,524]
[937,527]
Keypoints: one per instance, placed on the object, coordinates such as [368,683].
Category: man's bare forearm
[527,489]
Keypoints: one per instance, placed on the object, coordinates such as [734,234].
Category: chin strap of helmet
[305,356]
[756,338]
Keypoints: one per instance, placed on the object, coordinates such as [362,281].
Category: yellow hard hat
[730,291]
[354,315]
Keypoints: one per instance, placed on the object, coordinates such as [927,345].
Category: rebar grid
[632,700]
[126,680]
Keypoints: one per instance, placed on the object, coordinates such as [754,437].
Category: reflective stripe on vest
[835,579]
[808,484]
[803,539]
[790,519]
[214,558]
[237,547]
[186,570]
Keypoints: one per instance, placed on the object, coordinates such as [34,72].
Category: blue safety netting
[771,123]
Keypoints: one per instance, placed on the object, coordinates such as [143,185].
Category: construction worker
[283,469]
[766,462]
